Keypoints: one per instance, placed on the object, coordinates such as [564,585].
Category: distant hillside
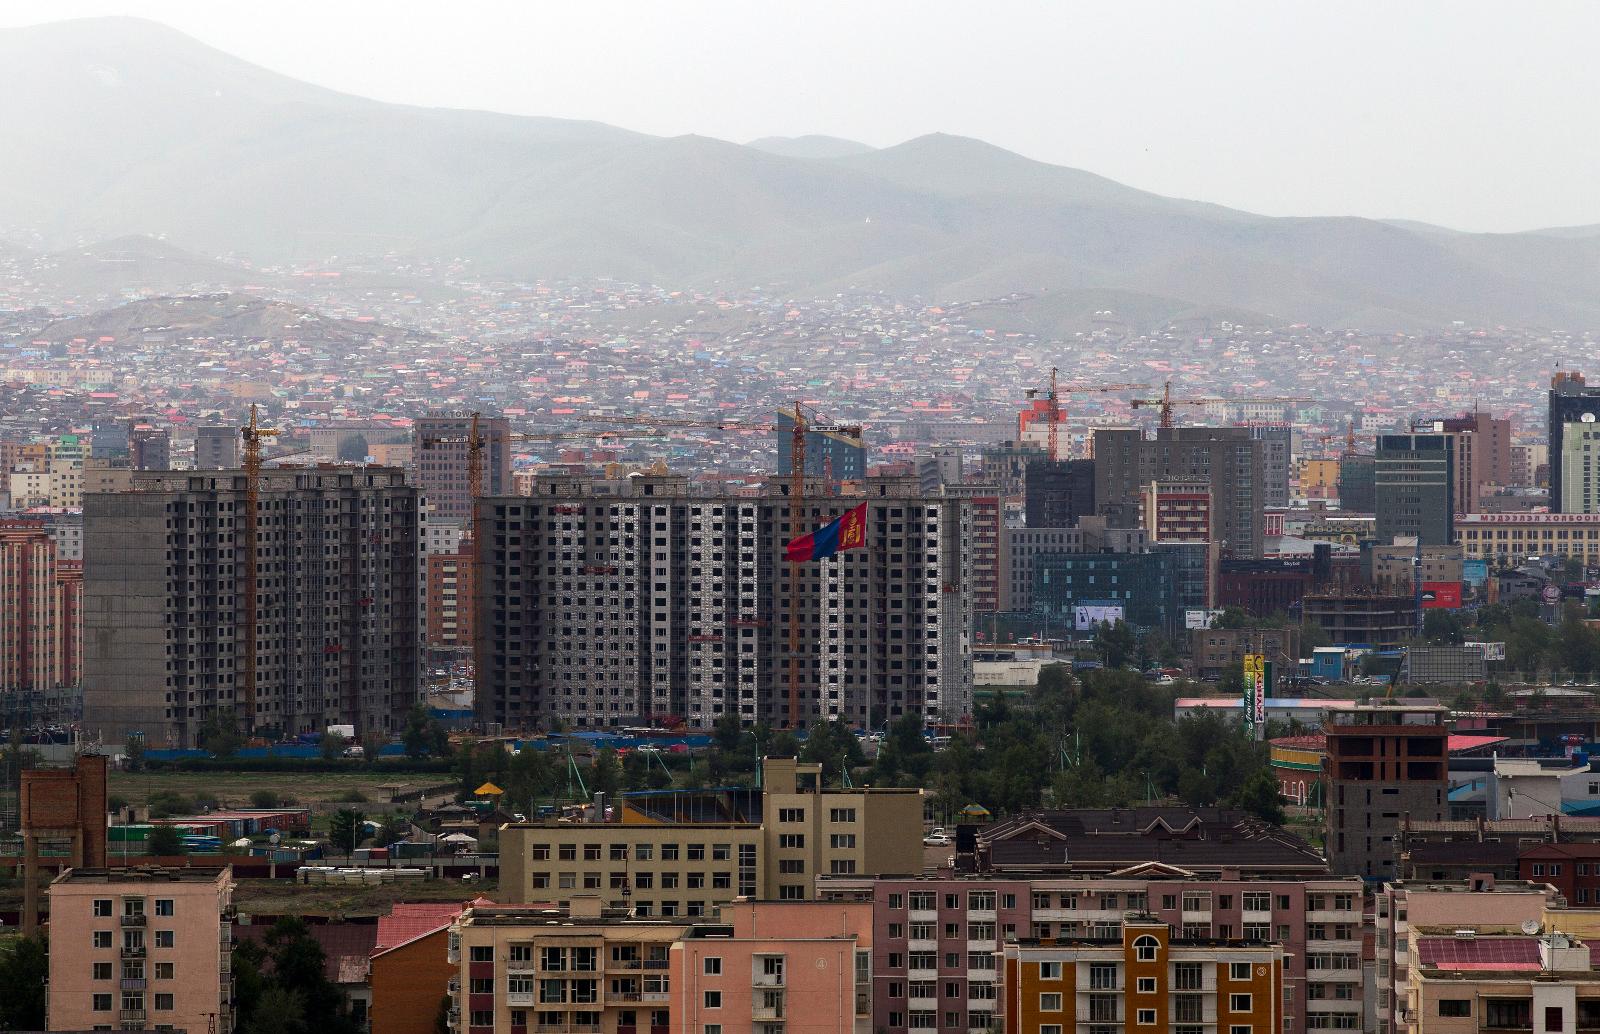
[809,146]
[224,317]
[117,127]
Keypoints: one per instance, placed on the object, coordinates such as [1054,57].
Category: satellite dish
[1587,418]
[1530,926]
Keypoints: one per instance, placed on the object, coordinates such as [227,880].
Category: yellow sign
[1253,665]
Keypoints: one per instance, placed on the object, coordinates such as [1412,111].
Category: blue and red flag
[847,531]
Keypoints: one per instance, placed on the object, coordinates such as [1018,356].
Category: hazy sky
[1474,115]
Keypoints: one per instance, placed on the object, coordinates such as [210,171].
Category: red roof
[1492,953]
[1459,743]
[406,922]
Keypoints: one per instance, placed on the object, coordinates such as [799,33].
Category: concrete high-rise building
[1414,487]
[109,439]
[987,511]
[828,453]
[1482,450]
[149,448]
[449,589]
[441,467]
[1571,401]
[609,602]
[1057,493]
[337,570]
[1355,484]
[1125,463]
[140,949]
[1276,448]
[33,636]
[1006,464]
[1383,761]
[216,448]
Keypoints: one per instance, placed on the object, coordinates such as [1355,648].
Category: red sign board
[1441,595]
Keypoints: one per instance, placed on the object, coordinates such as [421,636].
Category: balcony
[130,951]
[655,996]
[134,920]
[452,986]
[519,999]
[924,915]
[922,1004]
[133,983]
[767,1012]
[922,974]
[520,965]
[922,944]
[767,980]
[980,915]
[1331,916]
[130,1015]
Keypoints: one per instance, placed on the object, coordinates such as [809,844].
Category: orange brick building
[1149,980]
[449,589]
[411,968]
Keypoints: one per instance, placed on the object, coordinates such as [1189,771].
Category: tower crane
[254,436]
[1053,403]
[1167,402]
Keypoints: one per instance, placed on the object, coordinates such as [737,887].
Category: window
[712,1028]
[102,908]
[482,1018]
[1050,1001]
[1145,948]
[713,999]
[1147,985]
[102,1002]
[1049,1028]
[1049,971]
[842,841]
[791,840]
[1145,1017]
[1238,971]
[481,953]
[102,938]
[1552,1017]
[164,938]
[102,971]
[1455,1007]
[163,1001]
[164,908]
[897,901]
[1102,977]
[713,965]
[841,815]
[1239,1003]
[1241,1028]
[791,814]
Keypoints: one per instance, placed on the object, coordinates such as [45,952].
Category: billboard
[1475,572]
[1193,619]
[1085,618]
[1441,595]
[1491,651]
[1255,692]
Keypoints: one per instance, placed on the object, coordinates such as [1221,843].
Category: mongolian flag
[848,531]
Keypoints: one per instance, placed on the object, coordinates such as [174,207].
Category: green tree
[24,972]
[415,736]
[264,799]
[331,746]
[299,964]
[1260,797]
[1114,642]
[279,1011]
[219,734]
[605,774]
[1232,617]
[345,829]
[248,982]
[1313,635]
[1443,627]
[834,747]
[165,842]
[133,754]
[395,827]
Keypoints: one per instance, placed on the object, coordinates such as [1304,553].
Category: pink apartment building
[141,949]
[776,967]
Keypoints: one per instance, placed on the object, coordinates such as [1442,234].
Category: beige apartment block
[790,832]
[138,949]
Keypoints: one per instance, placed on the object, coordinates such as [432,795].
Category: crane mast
[254,435]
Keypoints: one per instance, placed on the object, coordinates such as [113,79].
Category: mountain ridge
[121,127]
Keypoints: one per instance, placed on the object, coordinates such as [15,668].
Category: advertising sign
[1491,651]
[1085,618]
[1193,619]
[1551,594]
[1441,595]
[1475,572]
[1255,691]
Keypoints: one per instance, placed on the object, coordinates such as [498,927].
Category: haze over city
[709,518]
